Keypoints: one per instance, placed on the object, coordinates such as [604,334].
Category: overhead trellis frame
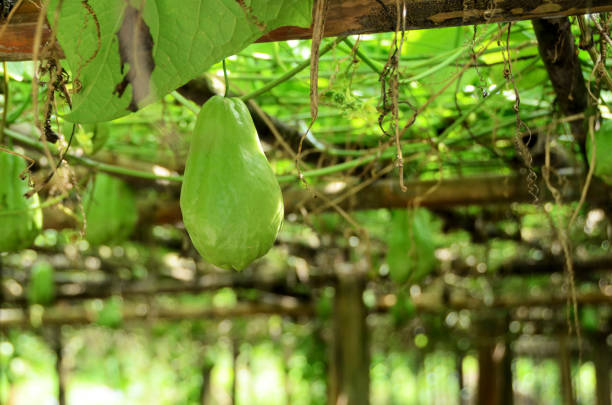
[343,18]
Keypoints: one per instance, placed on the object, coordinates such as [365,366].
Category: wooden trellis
[347,17]
[18,35]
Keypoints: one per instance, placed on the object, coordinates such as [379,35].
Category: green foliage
[404,308]
[231,202]
[21,217]
[110,210]
[325,304]
[411,254]
[92,137]
[603,149]
[111,313]
[172,49]
[41,288]
[589,318]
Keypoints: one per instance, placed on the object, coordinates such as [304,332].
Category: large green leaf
[144,53]
[603,148]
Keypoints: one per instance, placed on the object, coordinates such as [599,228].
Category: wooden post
[235,353]
[601,359]
[459,366]
[349,379]
[287,351]
[206,374]
[58,348]
[567,390]
[494,363]
[506,389]
[487,376]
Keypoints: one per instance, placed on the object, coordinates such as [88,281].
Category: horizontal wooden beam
[346,17]
[350,194]
[476,191]
[78,315]
[71,288]
[430,303]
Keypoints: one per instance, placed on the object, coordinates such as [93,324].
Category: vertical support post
[494,363]
[58,348]
[349,379]
[601,359]
[566,373]
[487,378]
[235,371]
[287,351]
[206,374]
[459,367]
[506,389]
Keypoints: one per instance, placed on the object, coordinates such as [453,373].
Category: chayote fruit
[20,217]
[110,210]
[231,202]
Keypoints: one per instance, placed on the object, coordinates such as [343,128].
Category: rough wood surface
[480,191]
[352,17]
[285,286]
[73,315]
[59,315]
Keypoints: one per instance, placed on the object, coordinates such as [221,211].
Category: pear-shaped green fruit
[110,209]
[231,202]
[20,217]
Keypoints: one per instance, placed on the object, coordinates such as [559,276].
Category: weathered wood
[349,377]
[67,289]
[601,359]
[17,37]
[353,17]
[60,368]
[207,369]
[482,190]
[494,361]
[62,315]
[565,368]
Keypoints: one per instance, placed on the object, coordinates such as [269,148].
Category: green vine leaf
[603,148]
[124,56]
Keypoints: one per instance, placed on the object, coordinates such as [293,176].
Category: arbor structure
[445,199]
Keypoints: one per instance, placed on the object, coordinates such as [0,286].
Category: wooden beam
[346,17]
[62,314]
[79,315]
[475,191]
[71,289]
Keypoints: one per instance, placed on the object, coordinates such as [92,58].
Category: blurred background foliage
[135,333]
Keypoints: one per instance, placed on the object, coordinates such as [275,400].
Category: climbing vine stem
[6,101]
[226,79]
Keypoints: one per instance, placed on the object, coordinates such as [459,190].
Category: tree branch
[557,49]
